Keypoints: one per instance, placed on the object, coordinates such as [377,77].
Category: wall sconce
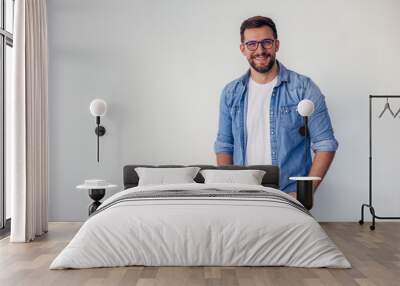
[305,108]
[98,107]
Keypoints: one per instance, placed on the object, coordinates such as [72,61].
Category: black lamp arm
[100,131]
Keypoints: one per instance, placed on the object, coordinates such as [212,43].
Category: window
[6,60]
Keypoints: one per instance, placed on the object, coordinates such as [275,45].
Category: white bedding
[200,231]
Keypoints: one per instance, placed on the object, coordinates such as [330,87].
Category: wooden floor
[374,255]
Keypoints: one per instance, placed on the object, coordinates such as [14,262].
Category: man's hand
[224,159]
[320,166]
[322,161]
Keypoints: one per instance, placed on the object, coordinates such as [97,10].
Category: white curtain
[28,123]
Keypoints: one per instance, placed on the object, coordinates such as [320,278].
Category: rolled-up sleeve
[224,140]
[320,126]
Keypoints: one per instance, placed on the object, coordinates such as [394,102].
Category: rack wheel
[372,227]
[361,222]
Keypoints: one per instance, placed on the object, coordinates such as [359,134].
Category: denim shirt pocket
[289,117]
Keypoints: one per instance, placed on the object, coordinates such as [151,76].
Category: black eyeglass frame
[265,43]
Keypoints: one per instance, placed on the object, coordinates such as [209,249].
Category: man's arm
[223,145]
[224,159]
[323,141]
[322,161]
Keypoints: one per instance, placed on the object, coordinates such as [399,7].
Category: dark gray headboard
[271,177]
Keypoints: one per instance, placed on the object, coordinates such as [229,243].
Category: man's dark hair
[257,22]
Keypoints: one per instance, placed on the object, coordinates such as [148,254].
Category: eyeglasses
[253,45]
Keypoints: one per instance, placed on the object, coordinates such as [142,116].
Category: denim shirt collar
[283,75]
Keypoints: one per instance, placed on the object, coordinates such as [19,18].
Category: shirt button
[273,153]
[272,132]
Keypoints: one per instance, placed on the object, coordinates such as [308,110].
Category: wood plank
[374,255]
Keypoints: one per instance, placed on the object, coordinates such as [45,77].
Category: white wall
[161,65]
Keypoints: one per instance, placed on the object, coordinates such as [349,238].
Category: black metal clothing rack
[369,205]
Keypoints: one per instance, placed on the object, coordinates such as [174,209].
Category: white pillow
[163,176]
[249,177]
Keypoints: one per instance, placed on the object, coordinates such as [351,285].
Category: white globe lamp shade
[98,107]
[305,107]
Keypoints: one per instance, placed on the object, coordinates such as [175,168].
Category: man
[258,120]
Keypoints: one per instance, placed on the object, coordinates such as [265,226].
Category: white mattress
[200,231]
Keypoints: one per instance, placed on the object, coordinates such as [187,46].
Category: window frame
[6,39]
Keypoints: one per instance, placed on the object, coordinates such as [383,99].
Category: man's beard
[262,69]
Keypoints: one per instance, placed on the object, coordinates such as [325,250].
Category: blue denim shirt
[287,144]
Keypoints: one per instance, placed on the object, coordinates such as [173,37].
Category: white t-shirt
[258,149]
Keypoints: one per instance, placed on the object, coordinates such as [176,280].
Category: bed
[201,224]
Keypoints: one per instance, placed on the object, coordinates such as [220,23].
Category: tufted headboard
[270,179]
